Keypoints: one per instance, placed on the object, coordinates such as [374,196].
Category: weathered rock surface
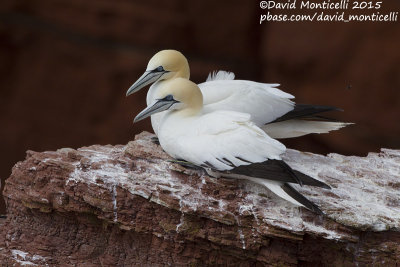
[129,206]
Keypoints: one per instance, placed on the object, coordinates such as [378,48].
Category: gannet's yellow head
[164,65]
[179,94]
[172,61]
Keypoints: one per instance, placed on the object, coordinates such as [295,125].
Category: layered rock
[128,205]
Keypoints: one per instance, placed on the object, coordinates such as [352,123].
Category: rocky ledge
[128,205]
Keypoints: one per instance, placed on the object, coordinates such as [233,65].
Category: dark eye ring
[159,69]
[169,98]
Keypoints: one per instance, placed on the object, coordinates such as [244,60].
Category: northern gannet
[270,108]
[225,143]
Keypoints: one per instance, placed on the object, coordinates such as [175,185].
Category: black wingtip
[326,186]
[318,108]
[291,171]
[304,111]
[308,180]
[277,170]
[301,199]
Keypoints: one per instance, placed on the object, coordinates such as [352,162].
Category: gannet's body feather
[220,140]
[220,75]
[263,102]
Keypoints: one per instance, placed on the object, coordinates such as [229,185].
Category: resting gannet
[270,108]
[225,143]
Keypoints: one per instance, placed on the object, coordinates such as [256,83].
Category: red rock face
[127,205]
[65,67]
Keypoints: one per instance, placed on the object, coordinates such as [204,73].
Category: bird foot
[155,140]
[186,164]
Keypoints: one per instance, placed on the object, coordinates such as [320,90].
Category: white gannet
[227,143]
[270,108]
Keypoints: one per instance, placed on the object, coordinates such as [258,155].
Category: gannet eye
[159,69]
[168,98]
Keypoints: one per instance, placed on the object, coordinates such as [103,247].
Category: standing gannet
[227,143]
[270,108]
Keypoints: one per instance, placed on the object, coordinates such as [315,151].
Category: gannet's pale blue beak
[147,78]
[161,105]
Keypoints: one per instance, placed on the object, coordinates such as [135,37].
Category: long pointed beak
[147,78]
[159,106]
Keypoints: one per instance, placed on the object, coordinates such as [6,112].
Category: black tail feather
[303,111]
[307,180]
[300,198]
[277,170]
[290,171]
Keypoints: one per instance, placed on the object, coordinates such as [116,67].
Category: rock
[127,205]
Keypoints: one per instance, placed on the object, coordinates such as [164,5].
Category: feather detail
[220,75]
[287,192]
[300,198]
[275,170]
[296,128]
[302,110]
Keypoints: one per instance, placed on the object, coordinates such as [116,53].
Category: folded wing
[264,102]
[223,140]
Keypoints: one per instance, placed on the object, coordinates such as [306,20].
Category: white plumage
[264,102]
[297,128]
[220,75]
[217,138]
